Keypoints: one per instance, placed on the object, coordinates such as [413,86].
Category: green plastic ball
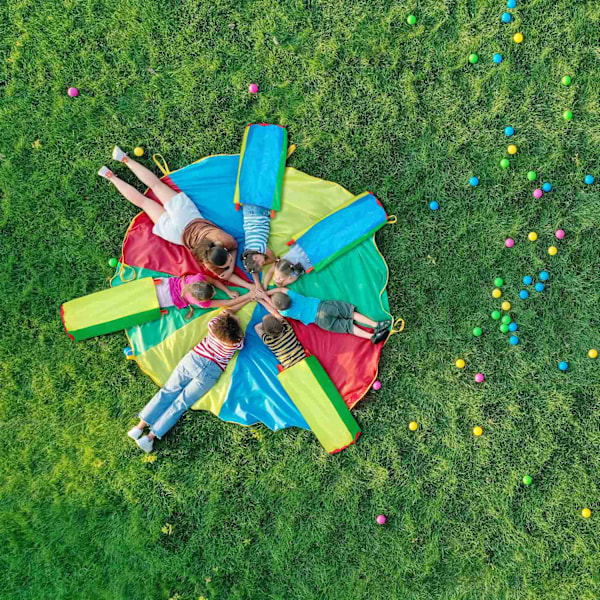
[504,328]
[477,331]
[411,19]
[506,319]
[473,58]
[498,282]
[567,115]
[113,262]
[532,175]
[504,163]
[527,480]
[566,80]
[495,315]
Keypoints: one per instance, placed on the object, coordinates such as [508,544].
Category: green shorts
[335,316]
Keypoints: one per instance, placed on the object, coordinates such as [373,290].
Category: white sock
[118,154]
[134,433]
[145,443]
[105,172]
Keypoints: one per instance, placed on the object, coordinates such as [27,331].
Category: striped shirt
[214,349]
[286,346]
[257,225]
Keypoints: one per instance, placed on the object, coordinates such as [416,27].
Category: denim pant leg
[193,391]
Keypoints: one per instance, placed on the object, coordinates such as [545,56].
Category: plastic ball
[504,328]
[127,351]
[509,242]
[544,275]
[511,4]
[527,280]
[523,294]
[495,315]
[381,519]
[566,80]
[547,187]
[474,181]
[512,327]
[560,234]
[532,236]
[539,287]
[253,88]
[513,340]
[433,205]
[473,58]
[567,115]
[506,305]
[113,262]
[512,149]
[479,377]
[508,131]
[586,513]
[138,151]
[506,319]
[460,364]
[477,331]
[537,193]
[497,58]
[413,426]
[498,282]
[411,19]
[563,365]
[593,353]
[477,431]
[506,17]
[518,38]
[377,385]
[552,250]
[531,175]
[496,293]
[73,92]
[504,163]
[588,179]
[527,480]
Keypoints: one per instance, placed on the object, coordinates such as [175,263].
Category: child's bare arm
[239,282]
[259,329]
[278,289]
[268,306]
[221,286]
[236,303]
[271,256]
[267,277]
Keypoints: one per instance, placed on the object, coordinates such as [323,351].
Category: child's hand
[259,293]
[233,293]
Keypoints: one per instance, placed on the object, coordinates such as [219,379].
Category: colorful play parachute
[250,390]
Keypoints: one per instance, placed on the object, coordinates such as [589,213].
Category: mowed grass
[229,512]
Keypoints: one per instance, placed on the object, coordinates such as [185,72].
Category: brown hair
[272,325]
[200,290]
[211,253]
[227,329]
[249,261]
[285,267]
[281,301]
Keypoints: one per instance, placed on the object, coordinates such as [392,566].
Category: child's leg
[363,320]
[361,333]
[163,192]
[153,209]
[163,399]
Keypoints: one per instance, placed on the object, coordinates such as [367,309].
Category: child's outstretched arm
[271,256]
[221,286]
[239,282]
[235,303]
[272,291]
[268,276]
[268,306]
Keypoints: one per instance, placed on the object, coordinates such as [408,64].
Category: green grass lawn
[373,103]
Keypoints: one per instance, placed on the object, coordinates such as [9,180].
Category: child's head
[200,290]
[228,329]
[253,261]
[281,301]
[286,273]
[213,254]
[272,325]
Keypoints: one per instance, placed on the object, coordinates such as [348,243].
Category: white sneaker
[118,154]
[134,433]
[105,172]
[145,443]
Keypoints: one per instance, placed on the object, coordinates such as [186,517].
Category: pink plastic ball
[560,234]
[509,242]
[381,519]
[479,377]
[73,91]
[377,385]
[253,88]
[537,193]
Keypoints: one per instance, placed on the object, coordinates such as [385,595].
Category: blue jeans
[191,379]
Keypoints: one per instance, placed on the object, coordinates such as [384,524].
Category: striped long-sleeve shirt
[286,347]
[214,349]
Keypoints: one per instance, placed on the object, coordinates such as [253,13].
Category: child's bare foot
[119,155]
[105,172]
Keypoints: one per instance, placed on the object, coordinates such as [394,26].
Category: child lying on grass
[196,373]
[280,338]
[330,315]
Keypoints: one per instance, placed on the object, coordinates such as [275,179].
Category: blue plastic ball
[544,275]
[497,58]
[433,205]
[514,340]
[563,365]
[506,17]
[539,287]
[523,294]
[508,131]
[546,187]
[127,351]
[511,4]
[474,181]
[589,179]
[513,326]
[527,280]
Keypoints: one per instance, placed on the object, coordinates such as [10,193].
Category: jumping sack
[261,167]
[321,405]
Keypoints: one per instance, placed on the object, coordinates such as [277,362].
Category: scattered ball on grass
[497,58]
[411,19]
[544,275]
[381,519]
[498,282]
[113,262]
[589,179]
[433,205]
[523,294]
[514,340]
[473,58]
[504,163]
[532,236]
[509,242]
[531,175]
[496,293]
[377,385]
[513,327]
[537,193]
[138,151]
[477,331]
[253,88]
[566,80]
[527,480]
[479,377]
[73,92]
[512,149]
[552,250]
[508,131]
[460,363]
[474,181]
[539,287]
[563,365]
[511,4]
[505,305]
[506,17]
[506,319]
[527,280]
[567,115]
[547,187]
[586,513]
[413,426]
[560,234]
[593,353]
[518,38]
[504,328]
[477,431]
[495,315]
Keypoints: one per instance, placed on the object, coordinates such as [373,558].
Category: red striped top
[216,350]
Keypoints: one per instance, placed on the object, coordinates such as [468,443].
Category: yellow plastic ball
[138,151]
[506,305]
[593,353]
[552,250]
[477,431]
[532,236]
[461,364]
[413,426]
[497,293]
[512,149]
[518,38]
[586,513]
